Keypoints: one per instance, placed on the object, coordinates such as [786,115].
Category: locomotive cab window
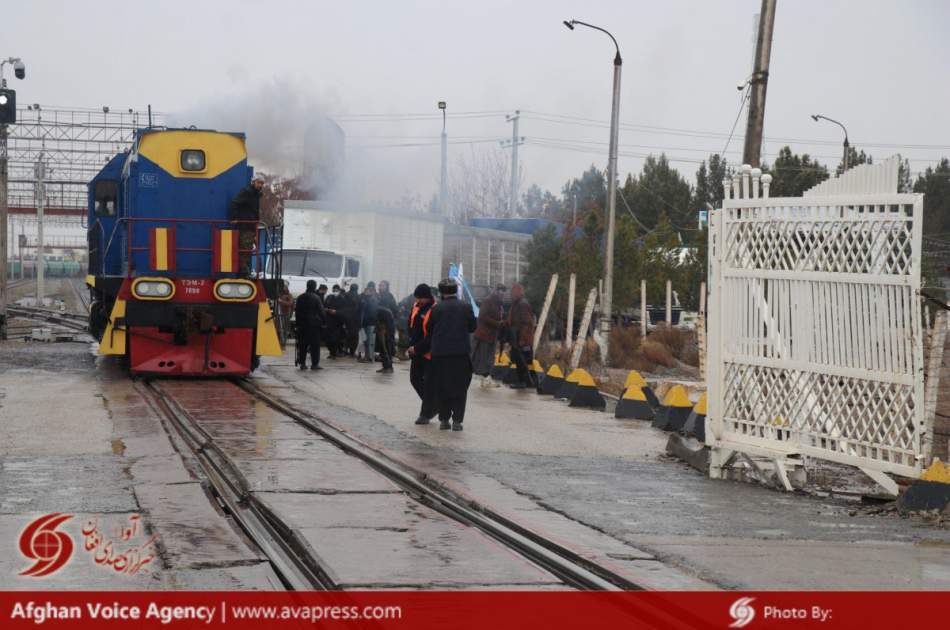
[193,160]
[105,197]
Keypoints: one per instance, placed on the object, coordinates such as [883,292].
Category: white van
[325,267]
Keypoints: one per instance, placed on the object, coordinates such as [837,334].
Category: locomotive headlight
[153,289]
[193,160]
[235,290]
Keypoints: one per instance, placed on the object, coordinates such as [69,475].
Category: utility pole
[513,143]
[4,212]
[7,115]
[758,83]
[40,170]
[443,185]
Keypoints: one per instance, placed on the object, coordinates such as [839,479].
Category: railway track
[82,294]
[291,557]
[70,321]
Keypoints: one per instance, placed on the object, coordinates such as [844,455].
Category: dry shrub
[657,353]
[673,338]
[690,355]
[624,343]
[590,357]
[640,363]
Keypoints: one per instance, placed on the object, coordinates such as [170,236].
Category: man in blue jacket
[369,305]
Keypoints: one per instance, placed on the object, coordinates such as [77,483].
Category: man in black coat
[245,208]
[310,318]
[351,319]
[335,308]
[419,340]
[388,301]
[385,325]
[451,323]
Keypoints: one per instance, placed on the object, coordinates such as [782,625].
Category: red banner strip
[494,610]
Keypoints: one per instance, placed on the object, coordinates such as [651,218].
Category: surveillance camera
[19,69]
[742,85]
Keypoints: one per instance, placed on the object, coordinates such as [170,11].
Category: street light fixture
[607,306]
[443,183]
[847,152]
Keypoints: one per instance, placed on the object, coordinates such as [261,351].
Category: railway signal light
[7,106]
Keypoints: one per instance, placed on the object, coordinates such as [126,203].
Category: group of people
[445,342]
[349,323]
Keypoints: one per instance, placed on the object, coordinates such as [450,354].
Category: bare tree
[479,184]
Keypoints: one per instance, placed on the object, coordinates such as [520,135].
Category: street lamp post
[607,306]
[443,183]
[847,146]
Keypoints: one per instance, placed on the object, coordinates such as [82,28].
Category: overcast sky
[879,67]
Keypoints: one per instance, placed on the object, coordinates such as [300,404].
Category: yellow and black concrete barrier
[569,386]
[500,369]
[538,370]
[635,378]
[634,404]
[586,393]
[929,493]
[552,382]
[674,410]
[696,422]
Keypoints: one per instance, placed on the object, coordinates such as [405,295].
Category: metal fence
[815,330]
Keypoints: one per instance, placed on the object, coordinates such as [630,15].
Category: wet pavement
[77,438]
[364,531]
[605,485]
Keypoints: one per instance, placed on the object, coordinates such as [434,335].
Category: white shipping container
[404,248]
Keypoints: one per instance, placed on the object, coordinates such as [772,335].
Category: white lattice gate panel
[817,326]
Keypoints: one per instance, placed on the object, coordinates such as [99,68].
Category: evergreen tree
[793,174]
[544,257]
[854,158]
[935,184]
[659,189]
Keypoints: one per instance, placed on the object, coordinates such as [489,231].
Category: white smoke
[291,134]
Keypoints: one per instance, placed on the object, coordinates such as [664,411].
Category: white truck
[339,245]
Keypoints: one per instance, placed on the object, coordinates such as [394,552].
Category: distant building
[488,256]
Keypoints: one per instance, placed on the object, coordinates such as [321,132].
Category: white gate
[815,330]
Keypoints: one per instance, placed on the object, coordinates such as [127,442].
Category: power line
[564,119]
[742,102]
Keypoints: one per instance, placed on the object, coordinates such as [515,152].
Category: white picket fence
[815,340]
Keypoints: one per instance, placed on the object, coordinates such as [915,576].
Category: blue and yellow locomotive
[163,258]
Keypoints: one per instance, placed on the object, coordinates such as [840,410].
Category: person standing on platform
[285,304]
[521,325]
[419,341]
[486,336]
[451,323]
[385,325]
[369,305]
[335,307]
[310,318]
[388,301]
[351,319]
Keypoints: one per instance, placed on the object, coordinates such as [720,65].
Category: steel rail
[565,564]
[290,556]
[66,320]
